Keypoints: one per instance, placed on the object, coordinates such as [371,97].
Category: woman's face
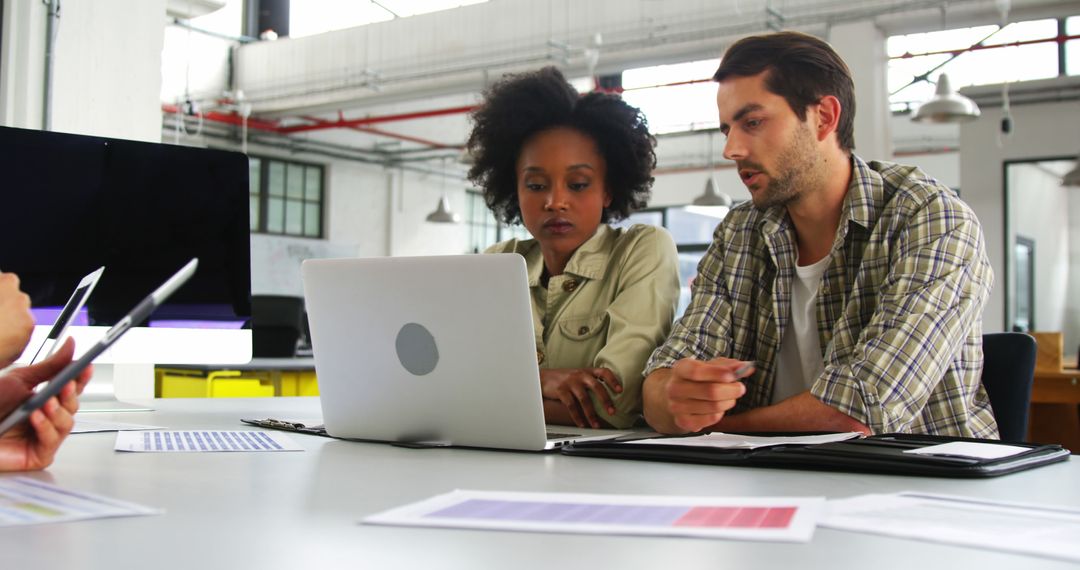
[561,193]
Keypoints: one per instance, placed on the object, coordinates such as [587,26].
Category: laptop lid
[71,309]
[433,350]
[137,315]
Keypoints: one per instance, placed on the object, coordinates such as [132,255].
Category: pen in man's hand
[742,370]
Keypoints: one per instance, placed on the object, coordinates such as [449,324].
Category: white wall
[107,69]
[1041,130]
[1039,209]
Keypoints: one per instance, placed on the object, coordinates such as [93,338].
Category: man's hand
[801,412]
[693,394]
[571,387]
[16,321]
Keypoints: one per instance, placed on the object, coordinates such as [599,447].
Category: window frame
[264,197]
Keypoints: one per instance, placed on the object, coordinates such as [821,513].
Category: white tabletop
[300,510]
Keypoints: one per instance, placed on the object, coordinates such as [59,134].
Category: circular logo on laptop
[416,349]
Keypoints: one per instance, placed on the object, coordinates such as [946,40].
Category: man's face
[776,154]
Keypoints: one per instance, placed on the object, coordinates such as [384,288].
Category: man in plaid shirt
[855,289]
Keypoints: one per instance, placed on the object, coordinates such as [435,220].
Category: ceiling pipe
[409,138]
[227,118]
[347,123]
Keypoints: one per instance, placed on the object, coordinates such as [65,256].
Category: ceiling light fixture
[1072,177]
[946,106]
[442,213]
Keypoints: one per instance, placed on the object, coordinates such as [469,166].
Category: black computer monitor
[71,203]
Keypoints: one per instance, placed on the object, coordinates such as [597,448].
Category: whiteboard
[275,261]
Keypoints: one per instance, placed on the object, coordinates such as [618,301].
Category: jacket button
[539,357]
[569,286]
[583,330]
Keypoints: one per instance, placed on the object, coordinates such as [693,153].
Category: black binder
[875,454]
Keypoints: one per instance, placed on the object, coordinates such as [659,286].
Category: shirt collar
[865,196]
[589,261]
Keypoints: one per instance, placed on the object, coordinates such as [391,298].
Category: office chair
[1008,373]
[276,321]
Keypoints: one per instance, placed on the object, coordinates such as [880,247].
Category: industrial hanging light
[1072,177]
[946,106]
[712,202]
[712,196]
[442,213]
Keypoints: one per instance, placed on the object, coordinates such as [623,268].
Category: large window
[1072,47]
[286,197]
[484,229]
[678,97]
[1020,51]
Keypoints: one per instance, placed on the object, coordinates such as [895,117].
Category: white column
[862,45]
[22,71]
[107,69]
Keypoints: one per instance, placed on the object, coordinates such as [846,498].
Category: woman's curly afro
[519,106]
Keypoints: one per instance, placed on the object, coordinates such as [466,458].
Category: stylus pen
[742,370]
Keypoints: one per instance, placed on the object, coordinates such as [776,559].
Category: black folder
[875,454]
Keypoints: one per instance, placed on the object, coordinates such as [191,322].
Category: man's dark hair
[518,106]
[802,69]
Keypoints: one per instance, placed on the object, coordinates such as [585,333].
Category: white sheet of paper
[970,449]
[790,519]
[27,501]
[722,440]
[1038,530]
[203,441]
[83,425]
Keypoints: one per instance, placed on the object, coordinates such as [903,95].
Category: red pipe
[346,123]
[977,47]
[229,118]
[399,136]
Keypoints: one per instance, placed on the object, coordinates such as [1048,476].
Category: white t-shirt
[799,362]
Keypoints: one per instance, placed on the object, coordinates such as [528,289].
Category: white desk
[299,510]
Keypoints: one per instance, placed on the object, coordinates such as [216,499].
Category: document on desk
[203,441]
[27,501]
[721,440]
[788,519]
[1038,530]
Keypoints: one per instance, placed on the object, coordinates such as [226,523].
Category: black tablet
[72,370]
[68,313]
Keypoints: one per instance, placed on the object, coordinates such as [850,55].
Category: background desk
[1055,407]
[262,377]
[300,510]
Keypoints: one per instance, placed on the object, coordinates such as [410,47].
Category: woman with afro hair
[603,298]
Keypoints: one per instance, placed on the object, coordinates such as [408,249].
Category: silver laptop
[429,350]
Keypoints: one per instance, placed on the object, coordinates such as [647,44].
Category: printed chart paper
[1040,530]
[790,519]
[721,440]
[203,441]
[27,501]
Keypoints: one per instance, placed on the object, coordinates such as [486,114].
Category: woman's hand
[571,387]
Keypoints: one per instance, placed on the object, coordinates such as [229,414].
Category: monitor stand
[119,388]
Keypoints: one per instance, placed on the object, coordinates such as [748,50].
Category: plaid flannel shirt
[899,308]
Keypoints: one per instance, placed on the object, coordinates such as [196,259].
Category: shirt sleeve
[931,298]
[703,331]
[640,317]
